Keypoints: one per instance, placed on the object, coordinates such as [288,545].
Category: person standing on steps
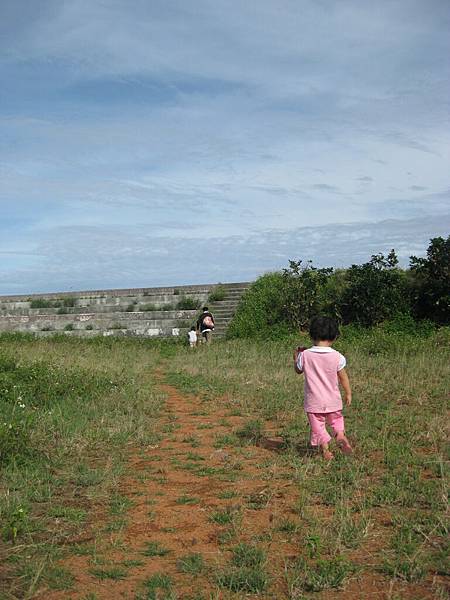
[205,324]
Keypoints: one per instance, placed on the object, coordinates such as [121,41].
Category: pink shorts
[318,422]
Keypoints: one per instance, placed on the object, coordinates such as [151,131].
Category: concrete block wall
[149,312]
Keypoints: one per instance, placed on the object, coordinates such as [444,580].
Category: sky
[165,142]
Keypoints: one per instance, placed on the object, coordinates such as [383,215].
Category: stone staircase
[148,312]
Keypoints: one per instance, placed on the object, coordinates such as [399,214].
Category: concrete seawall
[149,312]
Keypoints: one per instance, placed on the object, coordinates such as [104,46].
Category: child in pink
[324,370]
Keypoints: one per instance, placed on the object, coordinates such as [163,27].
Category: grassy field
[141,470]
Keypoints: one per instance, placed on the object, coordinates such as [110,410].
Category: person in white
[192,335]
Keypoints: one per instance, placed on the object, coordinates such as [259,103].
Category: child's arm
[297,351]
[345,383]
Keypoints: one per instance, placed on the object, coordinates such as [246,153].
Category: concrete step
[105,311]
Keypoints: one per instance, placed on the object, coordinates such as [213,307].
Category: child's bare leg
[336,420]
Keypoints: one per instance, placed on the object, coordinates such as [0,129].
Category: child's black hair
[205,308]
[192,328]
[322,329]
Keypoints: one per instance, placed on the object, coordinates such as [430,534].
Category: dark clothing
[200,324]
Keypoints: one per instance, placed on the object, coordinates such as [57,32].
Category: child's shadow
[304,449]
[278,444]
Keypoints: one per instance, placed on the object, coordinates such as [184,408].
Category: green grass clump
[249,580]
[223,517]
[157,587]
[324,574]
[187,303]
[252,431]
[247,570]
[114,572]
[245,555]
[187,500]
[217,294]
[191,563]
[155,549]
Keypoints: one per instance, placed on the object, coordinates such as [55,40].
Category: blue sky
[167,142]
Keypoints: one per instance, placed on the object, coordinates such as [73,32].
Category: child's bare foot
[344,444]
[326,453]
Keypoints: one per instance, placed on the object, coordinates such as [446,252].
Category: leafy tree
[431,283]
[375,291]
[303,292]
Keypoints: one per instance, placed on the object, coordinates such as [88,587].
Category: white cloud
[75,258]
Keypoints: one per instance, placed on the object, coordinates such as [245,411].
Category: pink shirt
[320,365]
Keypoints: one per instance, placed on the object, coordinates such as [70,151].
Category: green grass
[187,500]
[242,579]
[87,402]
[223,517]
[74,515]
[324,574]
[113,572]
[193,564]
[69,407]
[396,423]
[157,587]
[155,549]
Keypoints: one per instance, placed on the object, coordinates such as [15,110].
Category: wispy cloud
[74,258]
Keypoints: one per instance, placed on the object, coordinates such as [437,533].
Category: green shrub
[431,282]
[277,304]
[69,327]
[375,291]
[217,294]
[69,302]
[187,303]
[41,303]
[149,307]
[260,311]
[304,293]
[166,307]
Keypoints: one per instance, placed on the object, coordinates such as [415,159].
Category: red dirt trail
[264,495]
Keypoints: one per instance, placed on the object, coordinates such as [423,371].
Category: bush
[303,293]
[217,294]
[375,291]
[260,311]
[42,303]
[366,295]
[187,303]
[431,282]
[148,308]
[280,303]
[69,302]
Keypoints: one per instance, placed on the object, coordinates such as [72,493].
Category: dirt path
[190,494]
